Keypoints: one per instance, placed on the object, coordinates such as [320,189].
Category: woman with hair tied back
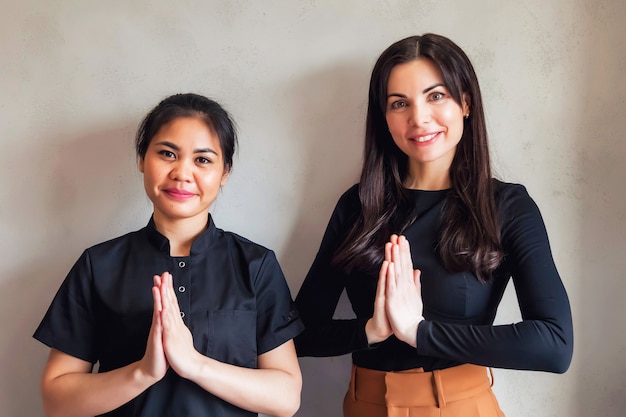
[425,245]
[183,318]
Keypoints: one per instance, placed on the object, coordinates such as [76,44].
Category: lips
[178,194]
[425,138]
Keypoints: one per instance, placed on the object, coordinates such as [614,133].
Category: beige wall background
[76,77]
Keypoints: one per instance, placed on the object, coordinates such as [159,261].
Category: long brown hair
[469,235]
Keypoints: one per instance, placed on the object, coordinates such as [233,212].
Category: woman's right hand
[154,364]
[378,328]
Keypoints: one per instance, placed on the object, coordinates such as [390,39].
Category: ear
[465,104]
[225,176]
[141,164]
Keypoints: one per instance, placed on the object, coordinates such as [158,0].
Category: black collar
[199,246]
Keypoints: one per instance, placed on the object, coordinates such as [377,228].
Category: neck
[180,232]
[428,178]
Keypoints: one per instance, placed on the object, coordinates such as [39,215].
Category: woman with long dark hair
[182,318]
[425,245]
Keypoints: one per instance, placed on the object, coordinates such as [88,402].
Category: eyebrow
[424,91]
[177,148]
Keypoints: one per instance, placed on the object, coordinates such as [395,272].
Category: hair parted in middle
[469,235]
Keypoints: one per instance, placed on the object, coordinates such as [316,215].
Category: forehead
[190,131]
[418,74]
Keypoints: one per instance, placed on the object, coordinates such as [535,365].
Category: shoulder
[505,190]
[115,245]
[346,212]
[350,196]
[240,245]
[512,198]
[518,213]
[256,260]
[349,204]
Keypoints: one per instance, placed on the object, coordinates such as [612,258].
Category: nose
[181,170]
[420,114]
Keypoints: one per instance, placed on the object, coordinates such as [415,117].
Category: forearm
[274,388]
[532,345]
[79,394]
[268,391]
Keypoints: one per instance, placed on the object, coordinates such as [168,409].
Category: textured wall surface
[76,77]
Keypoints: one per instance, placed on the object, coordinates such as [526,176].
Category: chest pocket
[232,337]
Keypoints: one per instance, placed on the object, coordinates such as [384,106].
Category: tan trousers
[461,391]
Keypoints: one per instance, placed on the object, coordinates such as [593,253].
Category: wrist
[195,366]
[141,378]
[409,335]
[372,335]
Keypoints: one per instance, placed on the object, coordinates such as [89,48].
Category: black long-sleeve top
[458,309]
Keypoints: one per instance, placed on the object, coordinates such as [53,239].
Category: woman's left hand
[404,295]
[177,339]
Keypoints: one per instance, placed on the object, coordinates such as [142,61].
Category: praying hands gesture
[170,342]
[272,388]
[398,304]
[176,341]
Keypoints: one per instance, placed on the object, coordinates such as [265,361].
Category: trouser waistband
[415,388]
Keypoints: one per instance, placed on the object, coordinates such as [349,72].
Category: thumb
[416,278]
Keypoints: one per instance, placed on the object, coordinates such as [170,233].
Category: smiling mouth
[179,193]
[426,138]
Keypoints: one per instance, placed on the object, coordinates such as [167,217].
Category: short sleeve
[69,322]
[277,318]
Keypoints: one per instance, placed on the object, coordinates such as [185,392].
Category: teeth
[426,138]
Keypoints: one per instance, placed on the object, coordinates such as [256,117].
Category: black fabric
[231,291]
[459,310]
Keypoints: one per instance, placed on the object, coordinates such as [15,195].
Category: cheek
[393,124]
[149,174]
[211,182]
[153,174]
[451,116]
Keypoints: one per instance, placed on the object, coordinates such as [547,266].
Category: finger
[169,309]
[173,317]
[156,295]
[417,275]
[388,247]
[156,329]
[382,278]
[391,278]
[165,303]
[394,239]
[397,260]
[162,280]
[405,254]
[172,293]
[157,286]
[165,289]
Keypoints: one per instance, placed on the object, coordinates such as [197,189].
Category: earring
[466,116]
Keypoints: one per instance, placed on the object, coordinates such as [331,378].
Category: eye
[203,161]
[397,105]
[437,95]
[166,153]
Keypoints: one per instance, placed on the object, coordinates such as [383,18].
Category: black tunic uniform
[232,295]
